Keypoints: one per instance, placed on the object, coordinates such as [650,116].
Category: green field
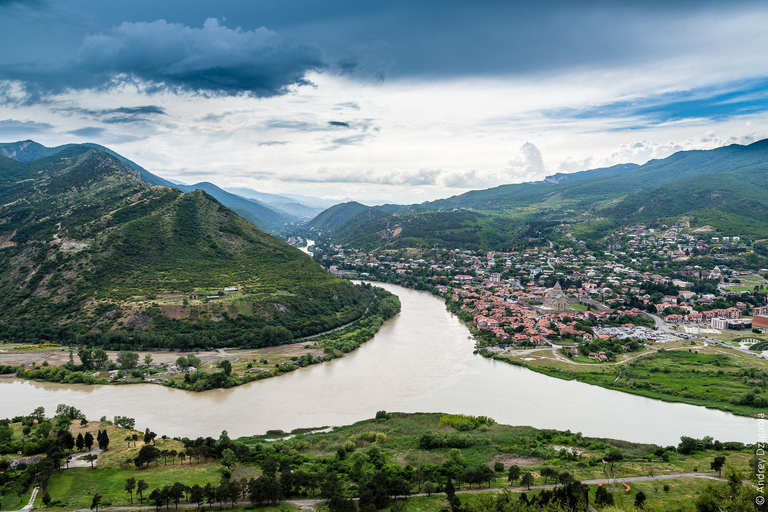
[415,448]
[713,377]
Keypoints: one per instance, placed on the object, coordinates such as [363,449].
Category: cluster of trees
[40,436]
[331,306]
[90,360]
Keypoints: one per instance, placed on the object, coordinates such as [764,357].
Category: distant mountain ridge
[723,187]
[262,215]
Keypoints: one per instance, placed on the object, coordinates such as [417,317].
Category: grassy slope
[531,448]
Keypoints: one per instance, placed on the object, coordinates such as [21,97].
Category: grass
[713,377]
[74,488]
[397,438]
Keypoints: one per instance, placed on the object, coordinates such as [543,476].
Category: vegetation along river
[420,361]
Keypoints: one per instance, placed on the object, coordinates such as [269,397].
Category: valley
[636,322]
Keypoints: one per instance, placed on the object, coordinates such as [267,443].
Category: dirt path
[570,361]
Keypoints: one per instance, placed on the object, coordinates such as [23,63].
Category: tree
[513,474]
[182,456]
[80,442]
[603,497]
[127,360]
[149,436]
[100,359]
[613,456]
[429,488]
[196,494]
[717,464]
[157,496]
[38,414]
[148,359]
[177,492]
[193,360]
[46,498]
[141,486]
[125,422]
[226,367]
[88,440]
[130,485]
[640,499]
[228,459]
[66,439]
[527,480]
[103,439]
[210,494]
[453,500]
[96,501]
[86,357]
[90,458]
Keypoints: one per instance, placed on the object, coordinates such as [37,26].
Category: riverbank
[689,372]
[696,374]
[223,368]
[394,455]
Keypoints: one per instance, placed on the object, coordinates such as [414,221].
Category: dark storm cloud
[213,59]
[146,109]
[339,124]
[398,38]
[120,115]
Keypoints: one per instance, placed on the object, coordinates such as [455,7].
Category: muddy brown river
[420,361]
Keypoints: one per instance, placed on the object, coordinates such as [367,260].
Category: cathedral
[555,299]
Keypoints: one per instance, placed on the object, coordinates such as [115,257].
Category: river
[420,361]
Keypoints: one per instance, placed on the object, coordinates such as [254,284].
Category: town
[645,285]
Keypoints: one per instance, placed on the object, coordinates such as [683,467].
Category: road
[309,504]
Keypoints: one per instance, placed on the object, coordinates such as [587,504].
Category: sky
[397,101]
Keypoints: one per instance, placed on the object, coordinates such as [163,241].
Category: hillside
[722,188]
[337,216]
[267,218]
[251,210]
[92,252]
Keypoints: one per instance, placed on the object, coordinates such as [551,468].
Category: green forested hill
[250,209]
[91,252]
[724,188]
[267,218]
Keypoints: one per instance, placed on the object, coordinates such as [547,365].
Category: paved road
[309,504]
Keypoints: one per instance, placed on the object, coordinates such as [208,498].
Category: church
[555,299]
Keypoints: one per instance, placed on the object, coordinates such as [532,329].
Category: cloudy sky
[400,101]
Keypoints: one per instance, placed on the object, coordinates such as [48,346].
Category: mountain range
[94,249]
[270,212]
[723,188]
